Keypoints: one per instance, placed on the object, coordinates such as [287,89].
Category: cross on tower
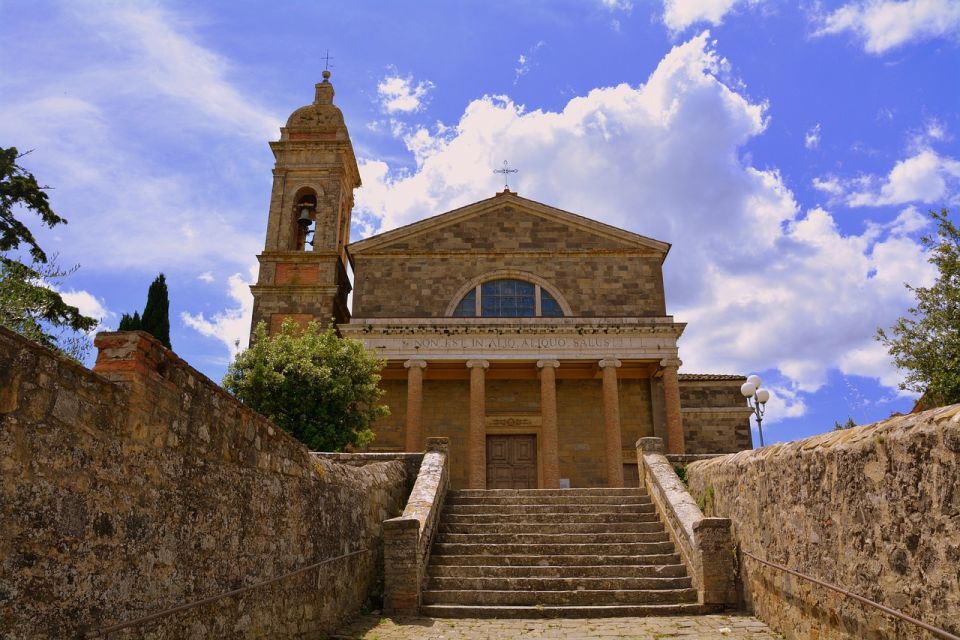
[326,60]
[506,171]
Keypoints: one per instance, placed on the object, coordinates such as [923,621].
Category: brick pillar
[611,422]
[550,445]
[414,434]
[477,438]
[671,401]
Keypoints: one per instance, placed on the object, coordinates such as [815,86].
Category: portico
[604,362]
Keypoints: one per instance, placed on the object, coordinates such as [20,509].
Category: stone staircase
[532,553]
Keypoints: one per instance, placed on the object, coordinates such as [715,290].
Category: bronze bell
[304,220]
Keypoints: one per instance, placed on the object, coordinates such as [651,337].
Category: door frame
[517,431]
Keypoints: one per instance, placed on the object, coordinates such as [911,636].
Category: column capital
[671,362]
[609,362]
[548,363]
[422,364]
[478,363]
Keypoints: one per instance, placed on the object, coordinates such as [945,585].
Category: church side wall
[154,488]
[715,416]
[872,509]
[399,286]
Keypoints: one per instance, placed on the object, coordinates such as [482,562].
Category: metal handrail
[103,632]
[940,633]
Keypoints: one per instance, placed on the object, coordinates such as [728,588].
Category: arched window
[507,298]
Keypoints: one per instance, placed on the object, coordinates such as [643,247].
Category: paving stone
[716,627]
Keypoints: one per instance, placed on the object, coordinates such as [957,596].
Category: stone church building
[537,340]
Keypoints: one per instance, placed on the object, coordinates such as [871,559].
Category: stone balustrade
[407,539]
[704,543]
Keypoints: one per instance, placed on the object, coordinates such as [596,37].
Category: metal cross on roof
[326,60]
[506,171]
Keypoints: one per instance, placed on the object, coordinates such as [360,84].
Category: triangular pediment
[509,223]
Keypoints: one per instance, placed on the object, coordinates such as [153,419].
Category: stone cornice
[297,256]
[518,339]
[601,253]
[661,325]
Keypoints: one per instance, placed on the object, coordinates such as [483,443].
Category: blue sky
[788,150]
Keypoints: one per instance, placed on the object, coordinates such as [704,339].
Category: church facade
[535,339]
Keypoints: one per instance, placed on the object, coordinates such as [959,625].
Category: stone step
[476,509]
[579,583]
[569,571]
[601,548]
[545,518]
[602,491]
[567,598]
[557,527]
[538,611]
[550,538]
[572,560]
[553,500]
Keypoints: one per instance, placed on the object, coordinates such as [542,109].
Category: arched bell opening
[304,218]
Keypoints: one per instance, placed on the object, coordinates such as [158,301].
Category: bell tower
[303,267]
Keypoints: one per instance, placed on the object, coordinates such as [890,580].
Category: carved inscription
[527,342]
[513,420]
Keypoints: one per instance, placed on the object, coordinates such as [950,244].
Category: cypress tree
[156,315]
[130,323]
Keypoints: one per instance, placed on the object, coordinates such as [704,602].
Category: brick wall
[872,509]
[121,498]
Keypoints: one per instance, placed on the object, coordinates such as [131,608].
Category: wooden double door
[511,461]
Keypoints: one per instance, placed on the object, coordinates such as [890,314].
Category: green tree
[927,344]
[849,424]
[156,315]
[29,303]
[319,387]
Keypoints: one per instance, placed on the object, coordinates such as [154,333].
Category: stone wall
[145,486]
[716,418]
[873,509]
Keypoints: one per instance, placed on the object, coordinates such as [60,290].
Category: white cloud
[925,177]
[812,138]
[661,159]
[230,326]
[128,79]
[89,305]
[618,5]
[526,60]
[680,14]
[163,59]
[206,276]
[401,95]
[886,24]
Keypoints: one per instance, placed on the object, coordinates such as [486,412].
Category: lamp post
[751,391]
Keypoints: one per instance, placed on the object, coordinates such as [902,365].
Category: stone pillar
[611,422]
[550,444]
[477,438]
[671,401]
[414,433]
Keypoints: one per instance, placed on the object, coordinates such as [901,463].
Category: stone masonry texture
[594,275]
[873,509]
[146,486]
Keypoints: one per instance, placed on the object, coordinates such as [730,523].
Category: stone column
[477,438]
[414,433]
[550,444]
[611,422]
[671,401]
